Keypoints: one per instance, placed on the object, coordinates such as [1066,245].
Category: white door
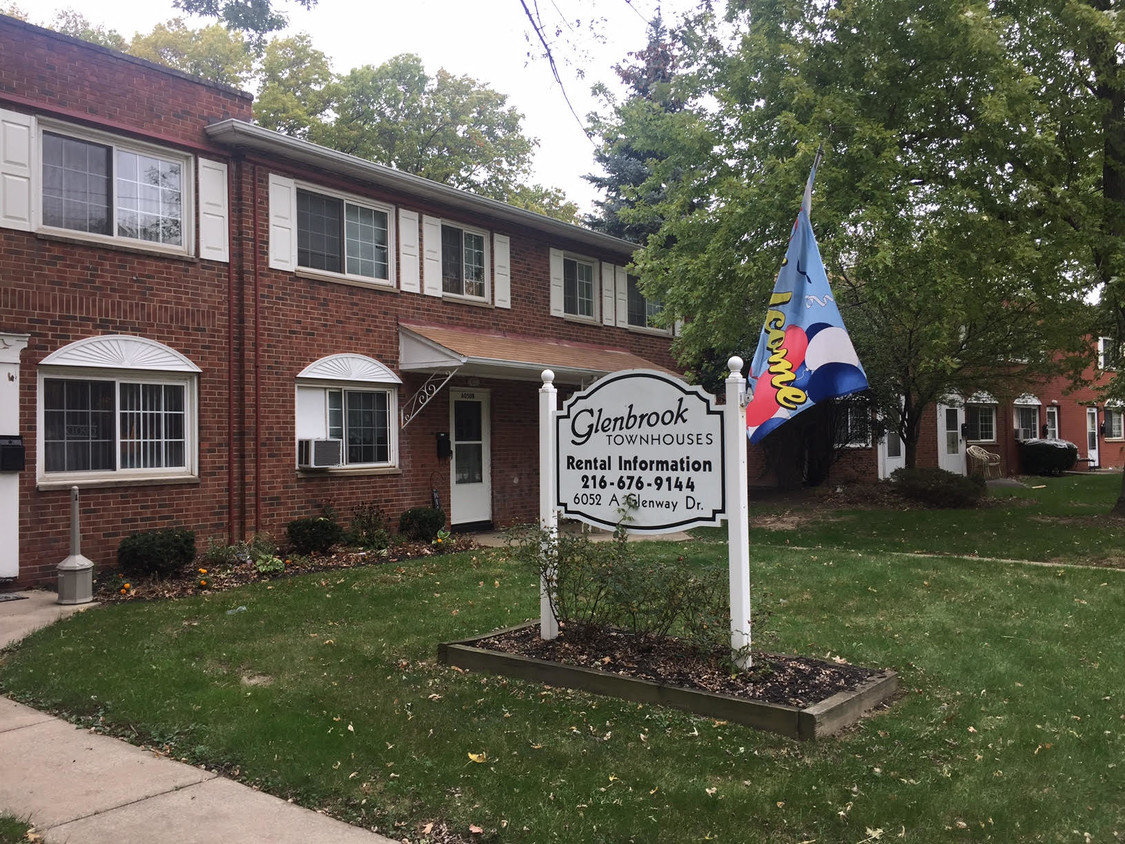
[10,347]
[470,482]
[1052,422]
[951,447]
[892,454]
[1092,436]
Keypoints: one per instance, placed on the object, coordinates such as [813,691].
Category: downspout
[231,532]
[257,369]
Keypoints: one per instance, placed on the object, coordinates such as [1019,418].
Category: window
[354,399]
[1027,423]
[463,262]
[339,236]
[117,407]
[853,425]
[1110,354]
[578,288]
[1114,423]
[980,423]
[642,310]
[111,190]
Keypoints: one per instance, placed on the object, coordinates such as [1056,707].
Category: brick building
[207,324]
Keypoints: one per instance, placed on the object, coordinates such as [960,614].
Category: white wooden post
[738,514]
[548,511]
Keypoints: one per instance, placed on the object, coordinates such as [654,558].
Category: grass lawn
[1011,725]
[12,831]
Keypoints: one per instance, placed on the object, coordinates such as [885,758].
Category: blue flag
[804,354]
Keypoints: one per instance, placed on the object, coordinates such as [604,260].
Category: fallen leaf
[711,792]
[474,829]
[479,757]
[427,829]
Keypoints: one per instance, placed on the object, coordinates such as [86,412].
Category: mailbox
[444,448]
[11,454]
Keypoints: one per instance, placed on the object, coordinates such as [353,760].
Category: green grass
[1063,522]
[12,830]
[1011,725]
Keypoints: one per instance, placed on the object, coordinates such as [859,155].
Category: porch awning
[431,348]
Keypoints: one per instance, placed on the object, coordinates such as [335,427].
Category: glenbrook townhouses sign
[640,449]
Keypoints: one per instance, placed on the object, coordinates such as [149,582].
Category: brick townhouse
[207,324]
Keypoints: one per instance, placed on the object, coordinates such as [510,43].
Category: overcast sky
[484,39]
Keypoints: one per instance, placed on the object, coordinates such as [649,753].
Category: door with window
[951,446]
[470,482]
[1052,423]
[1092,436]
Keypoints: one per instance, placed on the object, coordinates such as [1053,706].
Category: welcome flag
[804,353]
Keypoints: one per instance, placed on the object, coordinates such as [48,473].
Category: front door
[10,347]
[1092,436]
[951,448]
[470,482]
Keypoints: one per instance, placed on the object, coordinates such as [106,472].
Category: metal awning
[441,349]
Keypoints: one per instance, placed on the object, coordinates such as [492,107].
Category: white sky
[484,39]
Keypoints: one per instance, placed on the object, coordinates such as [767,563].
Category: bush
[421,524]
[938,488]
[1047,457]
[314,534]
[369,528]
[606,586]
[156,552]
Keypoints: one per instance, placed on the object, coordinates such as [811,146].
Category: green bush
[314,534]
[606,586]
[1047,457]
[938,488]
[156,552]
[369,528]
[421,524]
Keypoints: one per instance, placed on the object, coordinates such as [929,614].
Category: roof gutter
[239,134]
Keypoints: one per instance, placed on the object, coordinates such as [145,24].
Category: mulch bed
[773,678]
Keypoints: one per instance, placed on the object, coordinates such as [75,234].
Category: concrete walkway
[78,787]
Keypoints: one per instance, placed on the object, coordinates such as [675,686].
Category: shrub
[1047,457]
[369,528]
[156,552]
[938,488]
[599,587]
[421,524]
[314,534]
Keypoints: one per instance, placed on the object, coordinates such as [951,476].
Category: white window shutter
[214,211]
[677,328]
[502,271]
[431,256]
[409,268]
[17,169]
[622,280]
[608,294]
[556,282]
[283,223]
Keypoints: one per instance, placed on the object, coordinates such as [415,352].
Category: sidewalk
[78,787]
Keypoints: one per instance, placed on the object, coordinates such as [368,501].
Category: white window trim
[1118,409]
[602,295]
[623,309]
[361,201]
[120,358]
[188,208]
[1022,404]
[352,373]
[983,405]
[860,410]
[433,281]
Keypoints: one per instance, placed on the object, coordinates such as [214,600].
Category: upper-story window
[341,236]
[642,309]
[464,265]
[578,288]
[89,185]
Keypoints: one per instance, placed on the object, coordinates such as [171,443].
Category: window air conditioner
[319,454]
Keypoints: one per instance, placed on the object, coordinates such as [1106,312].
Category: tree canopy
[936,210]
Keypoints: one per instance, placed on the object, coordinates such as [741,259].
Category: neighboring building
[211,325]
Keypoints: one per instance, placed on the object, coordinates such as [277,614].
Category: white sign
[643,449]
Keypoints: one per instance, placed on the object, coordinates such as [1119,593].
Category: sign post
[548,510]
[738,515]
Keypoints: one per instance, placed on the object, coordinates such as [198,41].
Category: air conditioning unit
[319,454]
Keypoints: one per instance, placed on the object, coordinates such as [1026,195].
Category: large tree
[952,276]
[214,52]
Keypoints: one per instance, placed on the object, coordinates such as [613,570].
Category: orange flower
[203,571]
[128,585]
[203,583]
